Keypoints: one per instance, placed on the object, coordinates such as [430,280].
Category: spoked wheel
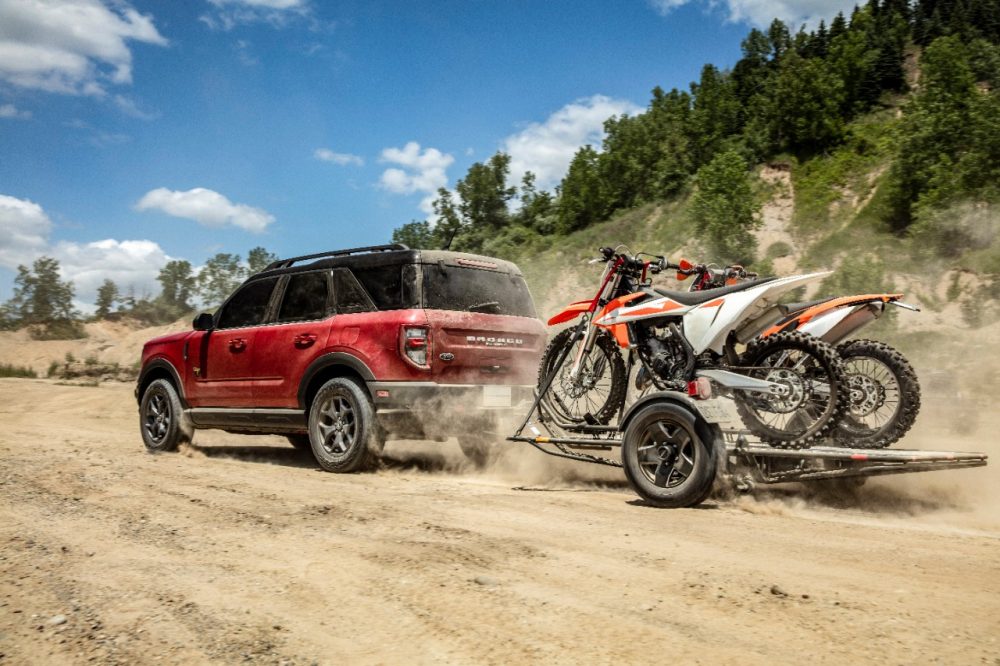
[669,456]
[811,398]
[342,428]
[599,387]
[161,418]
[884,395]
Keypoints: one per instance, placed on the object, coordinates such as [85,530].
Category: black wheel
[161,418]
[884,395]
[669,456]
[478,449]
[300,441]
[598,390]
[814,399]
[342,429]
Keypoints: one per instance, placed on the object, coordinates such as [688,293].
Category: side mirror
[684,265]
[204,322]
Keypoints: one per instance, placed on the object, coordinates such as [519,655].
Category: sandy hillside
[240,551]
[107,341]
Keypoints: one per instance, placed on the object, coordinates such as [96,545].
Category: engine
[666,355]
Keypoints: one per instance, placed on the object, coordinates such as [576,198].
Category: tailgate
[477,348]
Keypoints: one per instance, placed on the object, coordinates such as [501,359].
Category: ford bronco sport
[339,350]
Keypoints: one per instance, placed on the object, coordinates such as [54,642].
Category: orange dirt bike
[788,387]
[882,386]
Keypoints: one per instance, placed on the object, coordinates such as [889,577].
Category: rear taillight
[415,345]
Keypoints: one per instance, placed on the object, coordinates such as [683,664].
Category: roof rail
[285,263]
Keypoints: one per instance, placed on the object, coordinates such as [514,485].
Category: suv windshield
[475,290]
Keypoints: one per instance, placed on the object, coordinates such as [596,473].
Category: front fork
[583,351]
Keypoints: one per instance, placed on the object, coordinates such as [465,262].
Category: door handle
[304,339]
[237,344]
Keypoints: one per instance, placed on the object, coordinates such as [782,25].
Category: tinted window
[474,290]
[390,287]
[305,297]
[248,306]
[350,296]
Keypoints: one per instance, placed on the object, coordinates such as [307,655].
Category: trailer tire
[669,455]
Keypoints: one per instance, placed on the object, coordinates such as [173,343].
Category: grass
[10,370]
[822,183]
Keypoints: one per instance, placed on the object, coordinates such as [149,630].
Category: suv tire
[161,418]
[343,432]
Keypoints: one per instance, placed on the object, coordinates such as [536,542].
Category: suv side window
[248,306]
[391,287]
[305,297]
[351,296]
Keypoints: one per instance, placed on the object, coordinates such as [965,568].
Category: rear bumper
[443,410]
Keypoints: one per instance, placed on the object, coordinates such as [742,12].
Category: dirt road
[239,550]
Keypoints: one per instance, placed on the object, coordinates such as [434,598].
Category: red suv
[338,350]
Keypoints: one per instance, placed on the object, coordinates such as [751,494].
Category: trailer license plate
[496,396]
[719,410]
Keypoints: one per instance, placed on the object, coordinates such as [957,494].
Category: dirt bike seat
[788,308]
[698,297]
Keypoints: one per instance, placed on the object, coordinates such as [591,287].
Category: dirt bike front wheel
[599,387]
[812,374]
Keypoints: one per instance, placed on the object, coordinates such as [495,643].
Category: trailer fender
[684,401]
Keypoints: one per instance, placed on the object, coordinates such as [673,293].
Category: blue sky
[132,133]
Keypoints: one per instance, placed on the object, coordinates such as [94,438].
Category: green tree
[581,200]
[107,295]
[949,148]
[416,234]
[219,277]
[44,302]
[178,285]
[802,105]
[725,209]
[483,194]
[536,205]
[258,259]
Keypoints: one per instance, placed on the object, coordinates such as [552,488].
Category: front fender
[572,311]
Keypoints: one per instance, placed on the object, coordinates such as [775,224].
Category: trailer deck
[747,462]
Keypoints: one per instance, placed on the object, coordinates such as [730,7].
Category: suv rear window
[475,290]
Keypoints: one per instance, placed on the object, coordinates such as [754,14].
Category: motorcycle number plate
[496,396]
[718,411]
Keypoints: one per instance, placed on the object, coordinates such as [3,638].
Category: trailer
[741,462]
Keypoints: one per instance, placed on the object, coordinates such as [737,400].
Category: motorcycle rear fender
[800,320]
[572,311]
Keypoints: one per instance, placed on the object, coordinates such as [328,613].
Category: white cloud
[129,263]
[205,207]
[762,12]
[24,237]
[547,148]
[70,46]
[11,111]
[343,159]
[24,231]
[130,108]
[422,171]
[230,13]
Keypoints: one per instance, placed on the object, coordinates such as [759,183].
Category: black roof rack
[285,263]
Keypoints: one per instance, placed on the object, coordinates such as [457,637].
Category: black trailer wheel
[667,461]
[598,390]
[161,418]
[884,395]
[342,429]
